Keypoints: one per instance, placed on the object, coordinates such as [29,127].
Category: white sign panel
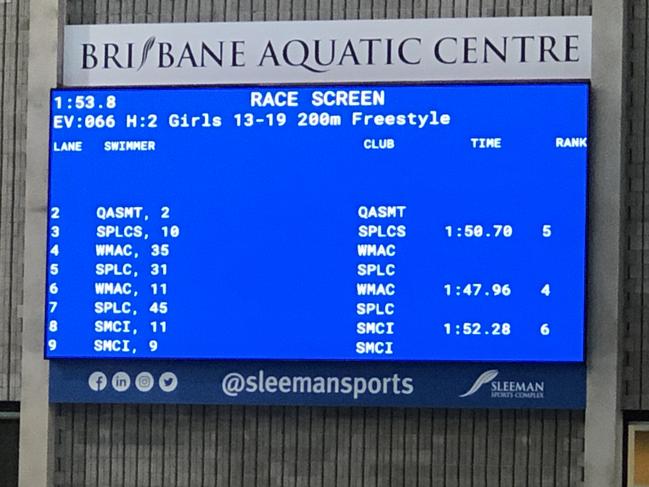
[532,48]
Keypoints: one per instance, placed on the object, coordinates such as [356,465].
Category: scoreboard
[371,222]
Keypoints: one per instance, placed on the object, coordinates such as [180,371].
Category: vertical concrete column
[35,468]
[603,449]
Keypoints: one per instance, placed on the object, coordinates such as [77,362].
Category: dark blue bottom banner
[474,385]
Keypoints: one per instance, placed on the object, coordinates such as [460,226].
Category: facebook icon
[97,381]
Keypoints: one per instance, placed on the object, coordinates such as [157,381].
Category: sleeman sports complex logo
[506,389]
[482,379]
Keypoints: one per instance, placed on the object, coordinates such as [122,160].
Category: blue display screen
[369,222]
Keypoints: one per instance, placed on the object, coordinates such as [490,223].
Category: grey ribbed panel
[13,106]
[636,280]
[193,446]
[129,11]
[147,446]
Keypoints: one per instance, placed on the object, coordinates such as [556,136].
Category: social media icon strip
[168,382]
[97,381]
[144,382]
[121,381]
